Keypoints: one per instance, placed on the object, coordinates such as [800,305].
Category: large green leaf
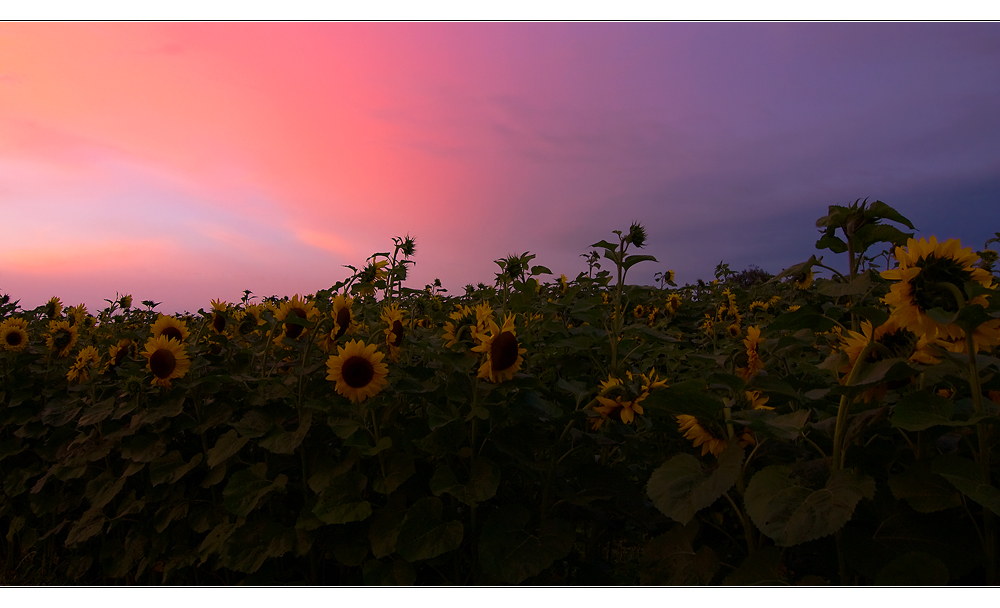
[424,534]
[510,553]
[397,572]
[246,488]
[342,501]
[682,486]
[787,510]
[968,478]
[925,491]
[921,410]
[280,441]
[171,467]
[227,445]
[399,468]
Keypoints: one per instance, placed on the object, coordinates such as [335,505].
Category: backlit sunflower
[503,353]
[358,370]
[86,361]
[303,309]
[218,322]
[460,318]
[167,358]
[924,266]
[53,308]
[563,283]
[77,315]
[14,334]
[343,316]
[170,327]
[61,337]
[394,320]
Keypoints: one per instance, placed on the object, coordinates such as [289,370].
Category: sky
[186,161]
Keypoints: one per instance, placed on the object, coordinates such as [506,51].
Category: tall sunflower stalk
[617,254]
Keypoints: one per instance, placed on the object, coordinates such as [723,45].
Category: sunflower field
[754,429]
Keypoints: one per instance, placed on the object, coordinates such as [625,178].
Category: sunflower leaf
[682,486]
[967,477]
[790,512]
[921,410]
[632,260]
[424,534]
[510,553]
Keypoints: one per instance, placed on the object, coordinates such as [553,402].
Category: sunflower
[700,436]
[170,327]
[673,303]
[167,359]
[754,364]
[247,321]
[14,334]
[117,354]
[358,370]
[87,360]
[219,321]
[61,337]
[624,406]
[77,315]
[394,328]
[924,266]
[53,308]
[708,325]
[303,309]
[343,317]
[639,311]
[898,340]
[563,283]
[804,280]
[756,401]
[734,329]
[503,353]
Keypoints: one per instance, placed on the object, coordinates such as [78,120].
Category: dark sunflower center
[163,363]
[61,339]
[357,372]
[292,330]
[14,338]
[172,332]
[503,352]
[343,321]
[50,310]
[900,343]
[933,270]
[397,334]
[219,322]
[120,355]
[248,324]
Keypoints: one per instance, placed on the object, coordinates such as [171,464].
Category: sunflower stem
[843,411]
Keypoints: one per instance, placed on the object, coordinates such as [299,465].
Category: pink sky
[182,162]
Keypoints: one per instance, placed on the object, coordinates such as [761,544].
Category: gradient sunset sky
[182,162]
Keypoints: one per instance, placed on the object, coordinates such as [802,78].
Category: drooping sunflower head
[394,320]
[503,352]
[925,270]
[343,316]
[756,401]
[53,308]
[218,320]
[302,309]
[358,370]
[61,337]
[167,359]
[894,340]
[86,363]
[14,334]
[171,327]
